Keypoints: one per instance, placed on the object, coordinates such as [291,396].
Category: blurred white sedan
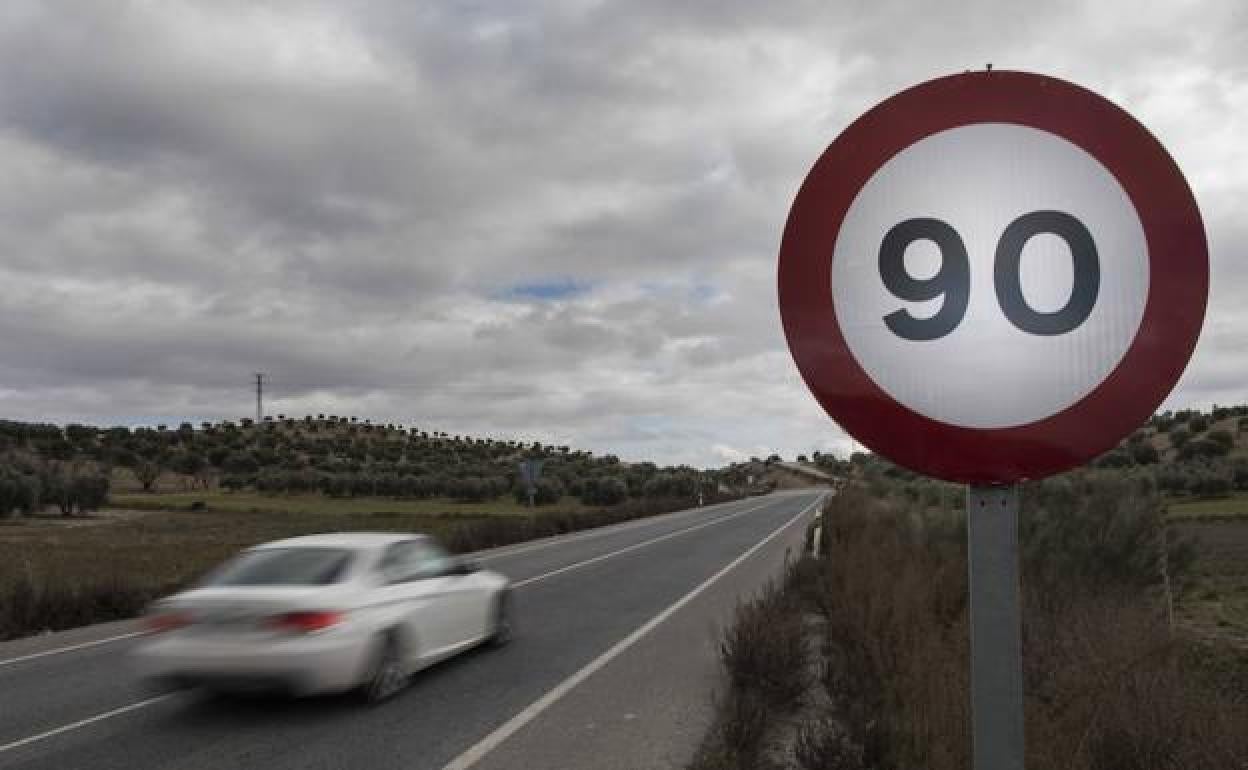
[325,613]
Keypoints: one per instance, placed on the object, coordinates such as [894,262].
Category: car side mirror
[464,567]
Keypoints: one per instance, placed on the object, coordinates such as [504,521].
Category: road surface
[613,666]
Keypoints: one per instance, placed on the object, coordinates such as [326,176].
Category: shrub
[19,492]
[1202,447]
[764,651]
[89,491]
[32,605]
[1210,483]
[1084,533]
[825,744]
[1145,453]
[1239,473]
[604,490]
[1222,437]
[681,484]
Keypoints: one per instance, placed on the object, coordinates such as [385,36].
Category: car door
[414,598]
[463,594]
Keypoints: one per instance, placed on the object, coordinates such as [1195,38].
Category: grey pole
[996,636]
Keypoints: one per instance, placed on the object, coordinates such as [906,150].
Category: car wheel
[388,676]
[503,628]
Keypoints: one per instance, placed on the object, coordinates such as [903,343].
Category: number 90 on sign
[952,281]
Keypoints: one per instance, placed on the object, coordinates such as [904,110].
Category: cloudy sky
[545,220]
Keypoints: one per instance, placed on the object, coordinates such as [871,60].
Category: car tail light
[160,622]
[307,622]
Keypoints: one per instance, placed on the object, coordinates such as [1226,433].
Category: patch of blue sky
[699,291]
[556,289]
[703,292]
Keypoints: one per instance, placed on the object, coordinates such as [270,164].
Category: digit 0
[953,279]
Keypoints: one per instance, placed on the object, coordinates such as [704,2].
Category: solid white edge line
[633,547]
[84,722]
[477,752]
[502,552]
[70,648]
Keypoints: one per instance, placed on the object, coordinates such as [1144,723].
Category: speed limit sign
[993,276]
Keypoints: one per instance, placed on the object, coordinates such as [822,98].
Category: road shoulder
[651,706]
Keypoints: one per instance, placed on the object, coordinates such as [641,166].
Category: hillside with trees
[1186,454]
[74,467]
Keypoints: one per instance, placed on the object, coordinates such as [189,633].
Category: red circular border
[1173,314]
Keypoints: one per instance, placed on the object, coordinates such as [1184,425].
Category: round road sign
[993,276]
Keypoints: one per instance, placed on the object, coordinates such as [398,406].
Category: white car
[325,613]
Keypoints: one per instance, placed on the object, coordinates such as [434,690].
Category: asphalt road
[613,666]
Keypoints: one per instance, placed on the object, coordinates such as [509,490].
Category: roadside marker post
[991,278]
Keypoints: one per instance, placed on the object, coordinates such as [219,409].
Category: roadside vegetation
[1113,677]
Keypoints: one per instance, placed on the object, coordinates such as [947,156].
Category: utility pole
[259,398]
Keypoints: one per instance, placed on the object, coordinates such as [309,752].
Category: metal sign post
[996,637]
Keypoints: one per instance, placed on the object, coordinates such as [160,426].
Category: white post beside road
[996,636]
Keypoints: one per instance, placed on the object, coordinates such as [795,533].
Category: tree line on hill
[71,466]
[1185,453]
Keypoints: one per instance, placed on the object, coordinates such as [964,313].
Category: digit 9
[953,280]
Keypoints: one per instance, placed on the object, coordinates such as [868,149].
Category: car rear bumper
[298,666]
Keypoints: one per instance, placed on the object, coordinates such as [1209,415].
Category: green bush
[1223,437]
[19,492]
[1145,453]
[1094,533]
[1203,447]
[603,490]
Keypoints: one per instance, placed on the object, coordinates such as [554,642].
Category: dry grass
[1215,598]
[1108,685]
[59,573]
[255,502]
[1234,507]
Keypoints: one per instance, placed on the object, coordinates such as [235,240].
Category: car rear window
[283,567]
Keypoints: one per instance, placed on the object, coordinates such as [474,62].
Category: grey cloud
[343,196]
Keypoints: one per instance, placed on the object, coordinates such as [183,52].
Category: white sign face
[990,276]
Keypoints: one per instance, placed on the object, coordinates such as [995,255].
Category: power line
[259,397]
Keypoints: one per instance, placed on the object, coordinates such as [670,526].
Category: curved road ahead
[612,667]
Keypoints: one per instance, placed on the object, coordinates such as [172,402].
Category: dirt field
[165,548]
[1215,603]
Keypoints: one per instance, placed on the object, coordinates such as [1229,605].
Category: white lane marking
[635,546]
[158,698]
[85,722]
[504,551]
[70,648]
[476,753]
